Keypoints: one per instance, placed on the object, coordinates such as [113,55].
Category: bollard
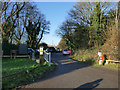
[100,58]
[100,62]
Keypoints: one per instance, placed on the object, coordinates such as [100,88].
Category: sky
[56,13]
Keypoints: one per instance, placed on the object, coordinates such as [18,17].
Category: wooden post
[13,53]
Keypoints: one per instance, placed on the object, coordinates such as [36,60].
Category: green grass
[95,62]
[89,56]
[17,65]
[111,66]
[12,66]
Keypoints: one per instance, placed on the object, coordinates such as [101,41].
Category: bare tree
[9,14]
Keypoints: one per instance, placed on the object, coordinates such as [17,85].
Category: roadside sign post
[41,53]
[100,58]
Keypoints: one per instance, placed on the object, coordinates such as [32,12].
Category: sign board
[101,58]
[41,50]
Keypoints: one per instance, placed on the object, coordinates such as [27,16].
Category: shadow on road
[90,85]
[64,65]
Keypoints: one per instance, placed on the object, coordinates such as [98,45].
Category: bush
[88,54]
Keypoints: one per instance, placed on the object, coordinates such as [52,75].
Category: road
[74,74]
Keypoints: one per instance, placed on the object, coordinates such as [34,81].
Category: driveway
[74,74]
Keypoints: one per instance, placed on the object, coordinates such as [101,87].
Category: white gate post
[49,59]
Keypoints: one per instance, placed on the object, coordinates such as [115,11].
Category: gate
[47,57]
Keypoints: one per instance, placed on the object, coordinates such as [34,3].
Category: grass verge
[94,62]
[30,73]
[12,66]
[90,57]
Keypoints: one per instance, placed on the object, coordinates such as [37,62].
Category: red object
[68,51]
[101,58]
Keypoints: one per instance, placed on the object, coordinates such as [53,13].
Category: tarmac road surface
[74,74]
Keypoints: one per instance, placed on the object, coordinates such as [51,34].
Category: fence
[47,57]
[17,56]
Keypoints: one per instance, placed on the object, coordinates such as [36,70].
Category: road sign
[100,60]
[41,50]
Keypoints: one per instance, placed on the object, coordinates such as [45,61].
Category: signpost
[41,50]
[100,58]
[41,53]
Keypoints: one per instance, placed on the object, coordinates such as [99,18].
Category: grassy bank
[12,66]
[23,71]
[90,56]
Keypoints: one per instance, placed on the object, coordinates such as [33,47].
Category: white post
[49,59]
[33,56]
[100,61]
